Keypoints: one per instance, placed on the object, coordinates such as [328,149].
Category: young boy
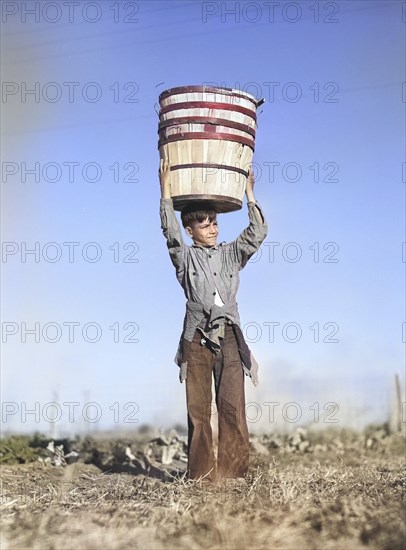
[212,342]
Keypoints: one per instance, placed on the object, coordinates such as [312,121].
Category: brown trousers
[233,444]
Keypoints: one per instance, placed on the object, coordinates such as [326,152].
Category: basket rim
[210,89]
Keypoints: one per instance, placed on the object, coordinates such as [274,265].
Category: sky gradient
[330,150]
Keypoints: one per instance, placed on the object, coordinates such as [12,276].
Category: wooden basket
[208,135]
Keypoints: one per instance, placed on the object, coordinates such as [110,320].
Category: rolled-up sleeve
[172,233]
[249,241]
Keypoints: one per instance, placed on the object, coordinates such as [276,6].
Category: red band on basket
[208,105]
[211,165]
[207,120]
[206,135]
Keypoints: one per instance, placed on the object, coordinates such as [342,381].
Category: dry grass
[352,499]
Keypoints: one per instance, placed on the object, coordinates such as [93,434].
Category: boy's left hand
[249,188]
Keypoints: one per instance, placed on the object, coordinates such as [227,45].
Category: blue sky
[348,118]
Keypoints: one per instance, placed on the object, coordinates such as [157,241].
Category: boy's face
[204,233]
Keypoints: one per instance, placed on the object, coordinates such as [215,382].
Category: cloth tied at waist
[210,322]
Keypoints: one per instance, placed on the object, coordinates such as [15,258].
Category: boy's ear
[189,231]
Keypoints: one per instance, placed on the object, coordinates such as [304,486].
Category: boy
[212,342]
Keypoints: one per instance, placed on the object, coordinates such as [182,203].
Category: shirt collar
[215,247]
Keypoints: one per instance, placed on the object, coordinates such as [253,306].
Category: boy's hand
[165,178]
[249,188]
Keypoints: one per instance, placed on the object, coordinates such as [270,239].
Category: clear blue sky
[344,65]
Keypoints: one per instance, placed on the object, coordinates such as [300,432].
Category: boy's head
[200,223]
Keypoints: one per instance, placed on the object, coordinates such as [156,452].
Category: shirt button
[209,255]
[214,293]
[214,273]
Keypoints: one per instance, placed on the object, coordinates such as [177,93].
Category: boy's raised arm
[249,191]
[165,178]
[169,222]
[249,240]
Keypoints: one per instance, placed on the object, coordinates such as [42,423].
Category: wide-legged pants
[233,442]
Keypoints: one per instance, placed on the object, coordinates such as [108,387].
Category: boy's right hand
[165,178]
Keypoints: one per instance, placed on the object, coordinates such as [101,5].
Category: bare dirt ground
[345,498]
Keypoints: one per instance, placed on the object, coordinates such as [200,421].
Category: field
[339,491]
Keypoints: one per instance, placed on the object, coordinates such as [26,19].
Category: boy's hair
[197,213]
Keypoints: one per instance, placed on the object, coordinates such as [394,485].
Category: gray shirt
[201,270]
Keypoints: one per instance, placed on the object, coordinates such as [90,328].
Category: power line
[66,25]
[97,35]
[80,125]
[153,115]
[176,37]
